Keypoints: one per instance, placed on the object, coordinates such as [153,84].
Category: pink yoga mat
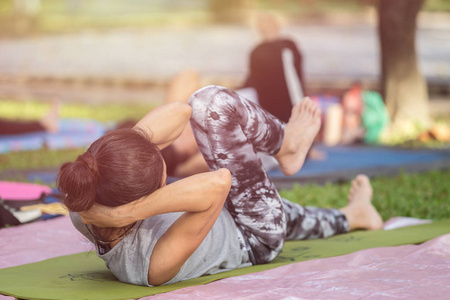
[22,191]
[403,272]
[40,240]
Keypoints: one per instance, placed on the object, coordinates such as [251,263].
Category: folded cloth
[54,208]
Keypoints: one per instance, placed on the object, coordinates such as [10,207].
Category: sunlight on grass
[38,159]
[101,112]
[425,195]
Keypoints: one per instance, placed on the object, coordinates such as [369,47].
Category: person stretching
[149,233]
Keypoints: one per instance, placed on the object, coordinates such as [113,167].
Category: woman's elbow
[223,180]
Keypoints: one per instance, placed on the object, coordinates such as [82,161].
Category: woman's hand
[165,123]
[105,216]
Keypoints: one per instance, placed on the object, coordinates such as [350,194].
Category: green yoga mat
[84,275]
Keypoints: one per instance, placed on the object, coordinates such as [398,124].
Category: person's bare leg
[299,134]
[182,86]
[51,120]
[360,212]
[193,165]
[186,145]
[332,131]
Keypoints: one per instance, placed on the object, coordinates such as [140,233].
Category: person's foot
[360,212]
[299,134]
[51,120]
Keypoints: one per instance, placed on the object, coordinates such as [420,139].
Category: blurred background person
[275,79]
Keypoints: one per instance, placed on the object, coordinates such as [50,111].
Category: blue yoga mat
[73,133]
[345,162]
[341,163]
[357,157]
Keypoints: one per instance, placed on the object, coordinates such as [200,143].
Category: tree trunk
[404,88]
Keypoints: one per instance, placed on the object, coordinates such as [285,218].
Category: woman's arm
[165,123]
[200,197]
[184,195]
[193,165]
[190,229]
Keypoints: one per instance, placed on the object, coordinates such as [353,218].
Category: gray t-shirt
[129,260]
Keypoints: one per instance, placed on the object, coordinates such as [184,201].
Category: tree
[404,88]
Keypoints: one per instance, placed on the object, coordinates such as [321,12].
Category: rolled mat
[85,276]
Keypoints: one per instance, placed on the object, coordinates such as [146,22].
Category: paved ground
[332,53]
[217,50]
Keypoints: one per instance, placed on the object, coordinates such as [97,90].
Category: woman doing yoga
[149,233]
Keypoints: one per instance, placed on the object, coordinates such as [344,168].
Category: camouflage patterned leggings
[230,130]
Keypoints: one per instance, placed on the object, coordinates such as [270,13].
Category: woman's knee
[203,96]
[213,98]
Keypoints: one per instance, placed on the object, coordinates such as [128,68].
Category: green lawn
[423,195]
[105,113]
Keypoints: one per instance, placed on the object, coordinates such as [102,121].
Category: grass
[437,5]
[111,112]
[52,159]
[38,159]
[423,195]
[47,158]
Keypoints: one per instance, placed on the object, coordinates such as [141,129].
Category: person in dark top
[276,69]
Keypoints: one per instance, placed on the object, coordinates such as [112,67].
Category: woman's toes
[310,106]
[296,110]
[304,103]
[362,178]
[316,112]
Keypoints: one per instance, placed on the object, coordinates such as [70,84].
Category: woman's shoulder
[80,226]
[275,45]
[288,42]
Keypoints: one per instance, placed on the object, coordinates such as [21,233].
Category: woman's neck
[112,235]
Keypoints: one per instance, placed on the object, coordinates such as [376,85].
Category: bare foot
[360,212]
[51,120]
[299,134]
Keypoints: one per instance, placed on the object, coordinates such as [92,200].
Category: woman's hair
[120,167]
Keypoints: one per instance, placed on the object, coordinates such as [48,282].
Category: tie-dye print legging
[230,130]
